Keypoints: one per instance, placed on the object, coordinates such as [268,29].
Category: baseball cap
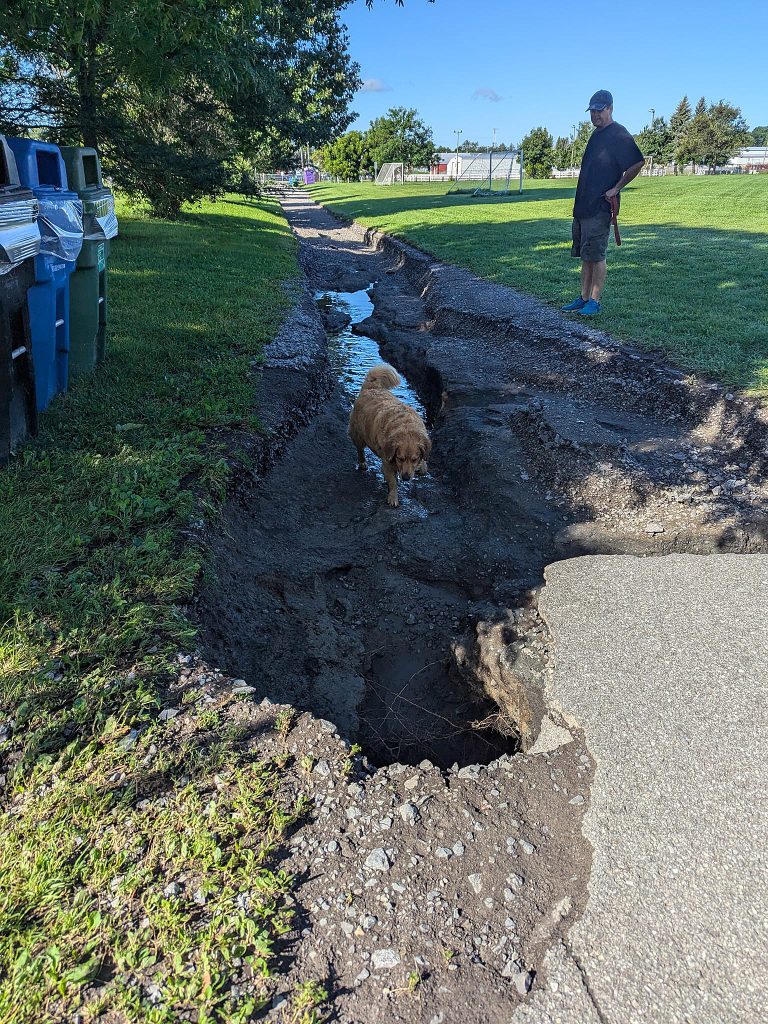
[600,100]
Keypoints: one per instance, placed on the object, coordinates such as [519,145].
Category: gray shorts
[590,237]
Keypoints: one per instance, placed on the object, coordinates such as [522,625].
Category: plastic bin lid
[39,164]
[83,168]
[9,174]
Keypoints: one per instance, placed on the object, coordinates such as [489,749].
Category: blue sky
[512,66]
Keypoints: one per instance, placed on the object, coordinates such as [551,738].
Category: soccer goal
[490,174]
[391,174]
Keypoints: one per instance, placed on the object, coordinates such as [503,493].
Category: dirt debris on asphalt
[441,863]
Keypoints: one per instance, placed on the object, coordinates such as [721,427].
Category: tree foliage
[561,153]
[759,135]
[346,157]
[538,153]
[400,136]
[726,132]
[169,92]
[583,134]
[713,135]
[657,141]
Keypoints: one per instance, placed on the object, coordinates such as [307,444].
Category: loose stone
[384,959]
[377,860]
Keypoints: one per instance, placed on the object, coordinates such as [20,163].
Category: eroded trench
[415,629]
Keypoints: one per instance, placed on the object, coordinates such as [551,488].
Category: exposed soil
[414,630]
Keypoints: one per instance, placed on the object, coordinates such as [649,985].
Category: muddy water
[351,356]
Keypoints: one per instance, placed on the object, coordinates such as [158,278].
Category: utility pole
[653,115]
[573,143]
[458,133]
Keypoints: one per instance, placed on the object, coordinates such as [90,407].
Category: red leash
[614,201]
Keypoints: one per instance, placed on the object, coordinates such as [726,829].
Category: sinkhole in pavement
[414,706]
[325,598]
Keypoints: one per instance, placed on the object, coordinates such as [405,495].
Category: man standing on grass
[611,160]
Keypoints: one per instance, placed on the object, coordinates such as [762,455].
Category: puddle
[353,355]
[350,357]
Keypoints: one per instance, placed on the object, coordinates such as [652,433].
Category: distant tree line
[399,136]
[707,136]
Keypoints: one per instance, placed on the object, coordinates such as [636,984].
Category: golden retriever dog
[391,429]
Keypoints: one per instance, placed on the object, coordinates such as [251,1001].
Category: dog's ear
[425,448]
[389,449]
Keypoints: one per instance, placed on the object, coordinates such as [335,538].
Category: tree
[583,134]
[561,154]
[760,135]
[713,135]
[726,132]
[346,157]
[678,124]
[400,137]
[151,85]
[538,153]
[691,143]
[656,141]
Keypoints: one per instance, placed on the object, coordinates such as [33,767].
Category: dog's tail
[382,377]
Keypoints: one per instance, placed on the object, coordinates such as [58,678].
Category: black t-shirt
[610,151]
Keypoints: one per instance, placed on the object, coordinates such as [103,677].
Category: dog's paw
[392,499]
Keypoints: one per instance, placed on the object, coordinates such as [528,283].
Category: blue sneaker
[590,308]
[575,306]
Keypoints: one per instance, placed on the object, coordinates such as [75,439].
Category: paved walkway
[664,663]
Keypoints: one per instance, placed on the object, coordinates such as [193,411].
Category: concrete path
[664,663]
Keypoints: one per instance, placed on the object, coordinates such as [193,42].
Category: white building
[751,159]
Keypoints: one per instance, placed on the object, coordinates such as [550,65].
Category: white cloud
[375,85]
[486,94]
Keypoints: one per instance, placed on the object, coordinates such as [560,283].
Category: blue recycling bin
[19,244]
[41,169]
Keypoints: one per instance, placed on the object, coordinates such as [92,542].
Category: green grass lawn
[691,277]
[96,569]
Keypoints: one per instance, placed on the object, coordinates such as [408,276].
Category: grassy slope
[690,278]
[95,571]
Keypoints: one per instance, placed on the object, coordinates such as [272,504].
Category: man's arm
[627,176]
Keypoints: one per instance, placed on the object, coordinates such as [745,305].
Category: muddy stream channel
[414,631]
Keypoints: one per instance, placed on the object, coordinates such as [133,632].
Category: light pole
[458,132]
[573,143]
[653,115]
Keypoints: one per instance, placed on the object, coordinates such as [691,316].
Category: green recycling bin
[88,285]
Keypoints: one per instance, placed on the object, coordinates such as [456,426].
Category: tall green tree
[561,153]
[151,84]
[726,132]
[656,141]
[583,134]
[692,142]
[538,153]
[678,124]
[346,157]
[400,136]
[759,135]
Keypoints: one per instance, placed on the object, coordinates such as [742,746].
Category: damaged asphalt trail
[438,869]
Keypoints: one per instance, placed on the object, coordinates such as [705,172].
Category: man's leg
[586,279]
[597,281]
